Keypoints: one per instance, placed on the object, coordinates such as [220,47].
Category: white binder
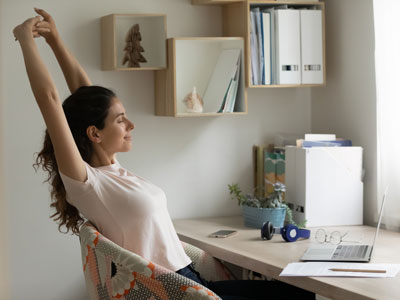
[311,47]
[324,185]
[287,23]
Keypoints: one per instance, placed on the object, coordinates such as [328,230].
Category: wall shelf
[214,2]
[236,22]
[219,2]
[114,30]
[191,62]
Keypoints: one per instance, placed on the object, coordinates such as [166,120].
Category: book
[258,170]
[231,93]
[335,143]
[269,173]
[254,48]
[224,102]
[266,17]
[268,167]
[234,90]
[272,67]
[274,169]
[259,32]
[220,80]
[231,97]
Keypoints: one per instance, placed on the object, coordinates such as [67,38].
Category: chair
[114,272]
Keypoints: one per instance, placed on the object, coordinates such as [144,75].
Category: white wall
[193,160]
[3,210]
[347,105]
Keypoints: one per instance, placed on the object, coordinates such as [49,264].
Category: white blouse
[130,211]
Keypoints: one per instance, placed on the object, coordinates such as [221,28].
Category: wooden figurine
[133,48]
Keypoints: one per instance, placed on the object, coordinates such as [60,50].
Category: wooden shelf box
[191,63]
[236,22]
[114,29]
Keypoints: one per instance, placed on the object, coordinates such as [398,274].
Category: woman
[79,153]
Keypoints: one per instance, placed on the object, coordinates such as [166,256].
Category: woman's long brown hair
[87,106]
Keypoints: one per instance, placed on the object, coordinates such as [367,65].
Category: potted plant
[257,210]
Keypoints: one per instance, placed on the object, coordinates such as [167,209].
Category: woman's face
[116,134]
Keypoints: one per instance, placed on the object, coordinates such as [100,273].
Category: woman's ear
[93,134]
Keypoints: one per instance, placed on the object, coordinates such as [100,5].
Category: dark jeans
[248,289]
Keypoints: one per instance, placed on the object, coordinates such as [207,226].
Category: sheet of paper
[323,269]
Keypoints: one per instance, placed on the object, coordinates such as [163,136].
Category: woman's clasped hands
[41,25]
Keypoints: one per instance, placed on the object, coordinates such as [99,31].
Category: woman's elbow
[47,96]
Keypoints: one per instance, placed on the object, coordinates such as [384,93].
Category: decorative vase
[255,217]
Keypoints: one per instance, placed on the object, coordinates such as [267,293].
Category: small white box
[324,185]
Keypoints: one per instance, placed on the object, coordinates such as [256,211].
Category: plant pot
[255,217]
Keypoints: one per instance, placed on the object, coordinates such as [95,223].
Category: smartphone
[222,233]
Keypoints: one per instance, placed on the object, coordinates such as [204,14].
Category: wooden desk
[246,249]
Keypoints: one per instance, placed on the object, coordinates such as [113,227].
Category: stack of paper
[337,269]
[322,140]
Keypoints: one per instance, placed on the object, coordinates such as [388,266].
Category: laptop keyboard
[350,251]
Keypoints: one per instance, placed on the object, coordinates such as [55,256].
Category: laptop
[344,253]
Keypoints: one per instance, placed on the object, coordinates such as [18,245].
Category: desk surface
[246,249]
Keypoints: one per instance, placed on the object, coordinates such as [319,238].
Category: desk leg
[249,275]
[245,274]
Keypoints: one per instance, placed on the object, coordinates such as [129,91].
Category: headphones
[290,233]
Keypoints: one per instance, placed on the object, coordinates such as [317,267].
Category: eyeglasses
[334,238]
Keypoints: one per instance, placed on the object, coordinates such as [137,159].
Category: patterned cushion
[112,272]
[209,267]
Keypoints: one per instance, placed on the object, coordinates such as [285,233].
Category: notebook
[344,253]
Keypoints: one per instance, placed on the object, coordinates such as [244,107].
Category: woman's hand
[51,33]
[28,29]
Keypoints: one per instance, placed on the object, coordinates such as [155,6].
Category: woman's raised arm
[67,154]
[73,72]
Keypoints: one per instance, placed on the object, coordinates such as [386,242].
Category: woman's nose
[131,126]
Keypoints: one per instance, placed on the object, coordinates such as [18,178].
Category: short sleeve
[75,189]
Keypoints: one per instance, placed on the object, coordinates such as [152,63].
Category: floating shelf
[191,64]
[236,22]
[219,2]
[214,2]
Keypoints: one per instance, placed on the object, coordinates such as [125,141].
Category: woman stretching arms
[83,135]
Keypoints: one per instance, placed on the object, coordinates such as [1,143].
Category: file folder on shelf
[266,21]
[254,48]
[287,23]
[311,47]
[324,185]
[259,30]
[272,68]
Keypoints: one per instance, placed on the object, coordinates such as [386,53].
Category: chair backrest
[114,272]
[208,266]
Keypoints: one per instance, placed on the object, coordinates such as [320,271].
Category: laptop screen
[380,216]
